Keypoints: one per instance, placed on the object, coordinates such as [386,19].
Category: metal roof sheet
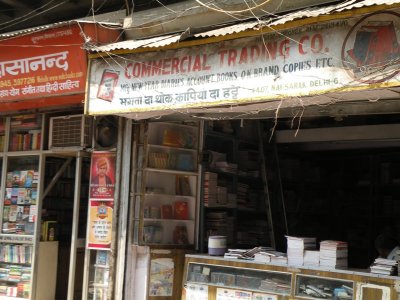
[113,19]
[161,41]
[304,13]
[34,29]
[154,42]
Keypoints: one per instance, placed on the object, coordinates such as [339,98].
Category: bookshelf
[99,275]
[233,203]
[27,263]
[343,195]
[2,133]
[26,132]
[168,200]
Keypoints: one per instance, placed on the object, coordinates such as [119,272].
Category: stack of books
[398,260]
[249,254]
[226,167]
[266,256]
[280,259]
[242,194]
[333,254]
[210,189]
[296,247]
[384,266]
[275,285]
[217,223]
[311,258]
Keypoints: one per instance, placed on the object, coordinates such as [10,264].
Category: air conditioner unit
[74,131]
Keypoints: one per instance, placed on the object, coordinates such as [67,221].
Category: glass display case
[310,287]
[210,277]
[240,278]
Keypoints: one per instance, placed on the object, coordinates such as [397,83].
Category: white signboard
[337,55]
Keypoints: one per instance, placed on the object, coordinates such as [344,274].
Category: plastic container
[217,245]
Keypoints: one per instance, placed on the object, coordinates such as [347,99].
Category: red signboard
[43,64]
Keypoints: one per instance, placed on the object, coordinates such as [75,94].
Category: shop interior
[341,183]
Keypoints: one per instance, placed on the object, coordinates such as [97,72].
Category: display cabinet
[240,278]
[28,258]
[99,275]
[20,141]
[168,201]
[310,287]
[210,277]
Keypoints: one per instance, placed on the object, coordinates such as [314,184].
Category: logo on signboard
[107,85]
[102,211]
[371,50]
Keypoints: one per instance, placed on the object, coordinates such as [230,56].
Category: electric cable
[231,11]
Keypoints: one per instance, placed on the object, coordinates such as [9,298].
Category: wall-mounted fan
[106,132]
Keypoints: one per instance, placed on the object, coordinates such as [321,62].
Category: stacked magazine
[384,266]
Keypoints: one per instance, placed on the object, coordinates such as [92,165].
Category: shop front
[287,129]
[44,141]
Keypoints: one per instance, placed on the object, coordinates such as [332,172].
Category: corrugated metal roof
[155,42]
[34,29]
[243,26]
[305,13]
[113,18]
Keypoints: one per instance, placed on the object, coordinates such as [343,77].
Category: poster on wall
[100,224]
[261,296]
[196,292]
[101,200]
[102,175]
[161,281]
[228,294]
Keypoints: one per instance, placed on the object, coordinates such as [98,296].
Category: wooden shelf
[166,220]
[176,172]
[165,144]
[171,148]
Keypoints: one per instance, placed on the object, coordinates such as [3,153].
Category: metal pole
[75,223]
[123,208]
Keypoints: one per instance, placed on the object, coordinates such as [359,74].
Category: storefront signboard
[43,64]
[338,55]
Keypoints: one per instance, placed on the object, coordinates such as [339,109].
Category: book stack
[222,195]
[384,266]
[397,257]
[234,253]
[280,259]
[333,254]
[242,195]
[311,258]
[20,254]
[266,256]
[226,167]
[276,285]
[210,189]
[249,254]
[296,247]
[217,223]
